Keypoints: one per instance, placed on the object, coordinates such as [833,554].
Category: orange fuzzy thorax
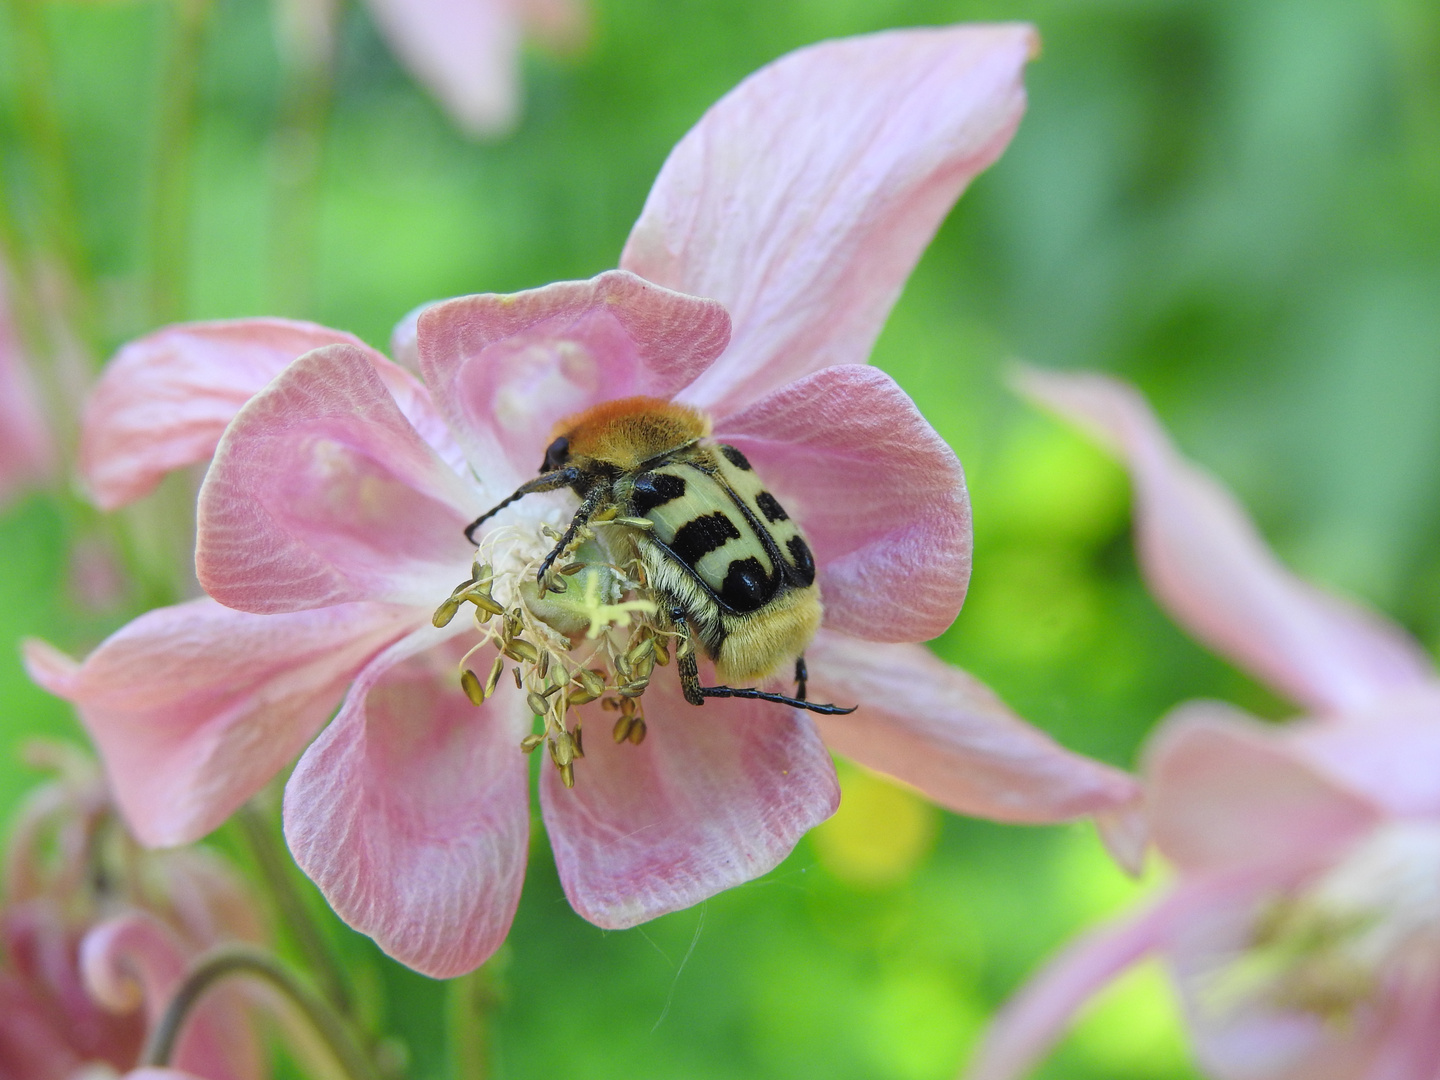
[628,431]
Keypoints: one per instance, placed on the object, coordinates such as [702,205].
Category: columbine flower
[1304,928]
[331,531]
[74,883]
[26,453]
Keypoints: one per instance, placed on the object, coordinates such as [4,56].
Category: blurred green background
[1235,203]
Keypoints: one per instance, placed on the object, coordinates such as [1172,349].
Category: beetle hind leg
[696,694]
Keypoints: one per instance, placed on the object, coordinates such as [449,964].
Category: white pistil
[1371,918]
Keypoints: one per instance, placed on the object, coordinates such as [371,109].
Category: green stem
[296,164]
[44,135]
[170,213]
[243,960]
[275,869]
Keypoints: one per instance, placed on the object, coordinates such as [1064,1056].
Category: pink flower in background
[1304,928]
[26,452]
[467,52]
[68,867]
[331,529]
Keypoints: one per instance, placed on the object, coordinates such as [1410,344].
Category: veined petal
[410,811]
[1208,566]
[465,52]
[714,796]
[879,494]
[1037,1016]
[135,958]
[165,398]
[322,492]
[195,707]
[1226,791]
[803,198]
[505,368]
[936,727]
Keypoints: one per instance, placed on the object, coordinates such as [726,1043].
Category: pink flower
[26,452]
[1303,930]
[68,867]
[332,518]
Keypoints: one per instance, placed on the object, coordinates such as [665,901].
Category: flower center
[1373,917]
[586,632]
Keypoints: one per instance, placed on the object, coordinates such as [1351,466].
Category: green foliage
[1235,204]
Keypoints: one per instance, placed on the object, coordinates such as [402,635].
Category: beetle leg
[802,676]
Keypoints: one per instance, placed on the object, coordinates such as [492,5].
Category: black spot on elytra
[739,460]
[804,562]
[654,489]
[771,508]
[702,535]
[746,588]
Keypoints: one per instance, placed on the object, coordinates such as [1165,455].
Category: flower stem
[170,213]
[306,34]
[275,869]
[244,960]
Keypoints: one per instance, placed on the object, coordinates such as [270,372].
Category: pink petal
[714,796]
[1036,1017]
[1206,563]
[159,1074]
[134,958]
[940,729]
[880,496]
[803,198]
[465,52]
[505,368]
[410,811]
[165,398]
[27,455]
[1390,752]
[322,492]
[195,707]
[1227,791]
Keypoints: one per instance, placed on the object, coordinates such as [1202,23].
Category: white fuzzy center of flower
[585,632]
[1373,917]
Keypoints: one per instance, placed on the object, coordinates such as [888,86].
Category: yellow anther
[567,775]
[536,702]
[470,683]
[662,654]
[496,670]
[521,650]
[622,729]
[518,684]
[579,745]
[445,612]
[637,731]
[530,742]
[482,599]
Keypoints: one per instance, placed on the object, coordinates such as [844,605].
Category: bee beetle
[725,565]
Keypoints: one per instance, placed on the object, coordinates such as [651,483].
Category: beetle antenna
[550,481]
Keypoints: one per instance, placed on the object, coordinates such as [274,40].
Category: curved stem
[274,868]
[242,960]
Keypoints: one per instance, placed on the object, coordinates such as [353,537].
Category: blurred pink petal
[1360,750]
[561,25]
[165,398]
[804,197]
[1032,1021]
[322,492]
[713,797]
[1224,792]
[195,707]
[882,497]
[936,727]
[27,455]
[503,369]
[1206,563]
[465,52]
[134,959]
[411,811]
